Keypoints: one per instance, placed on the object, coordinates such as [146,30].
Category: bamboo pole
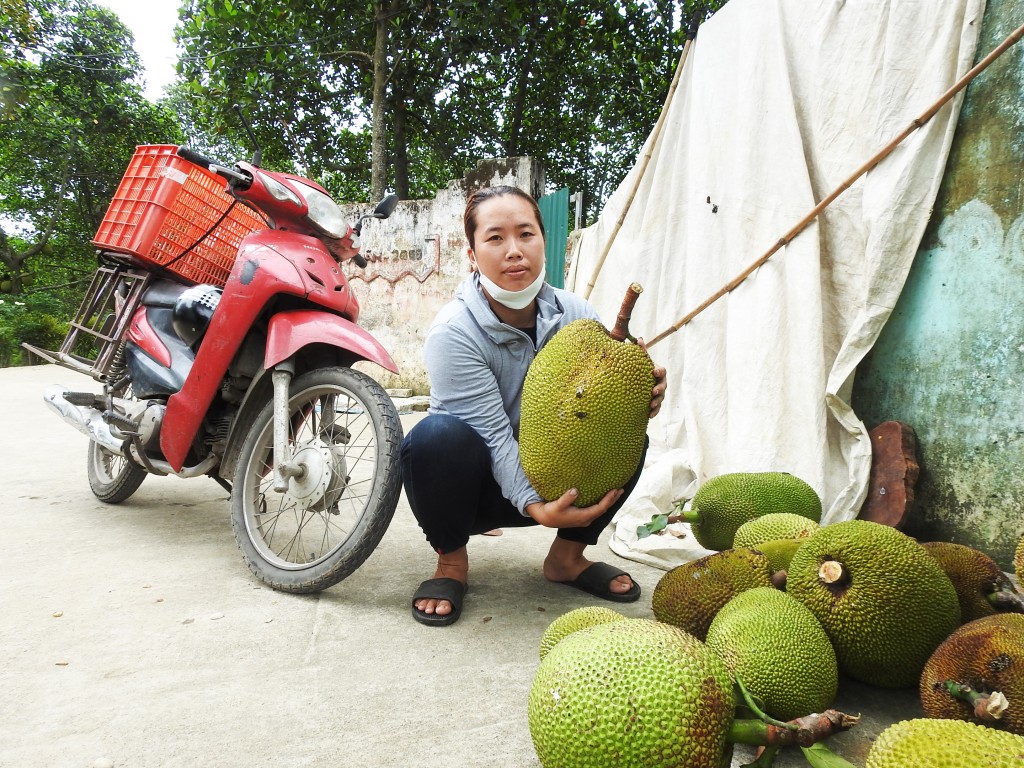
[645,161]
[923,118]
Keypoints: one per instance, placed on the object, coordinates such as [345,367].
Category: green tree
[427,87]
[298,72]
[71,113]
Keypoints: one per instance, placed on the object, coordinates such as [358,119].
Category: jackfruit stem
[681,515]
[685,516]
[803,731]
[754,705]
[1006,601]
[988,707]
[832,573]
[621,330]
[779,579]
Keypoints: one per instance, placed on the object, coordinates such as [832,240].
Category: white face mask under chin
[513,299]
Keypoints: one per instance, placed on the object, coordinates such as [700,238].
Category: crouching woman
[460,464]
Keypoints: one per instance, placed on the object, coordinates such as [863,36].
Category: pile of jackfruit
[750,645]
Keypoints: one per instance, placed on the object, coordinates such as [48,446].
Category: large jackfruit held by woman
[585,406]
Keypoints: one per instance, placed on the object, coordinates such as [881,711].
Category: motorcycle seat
[163,293]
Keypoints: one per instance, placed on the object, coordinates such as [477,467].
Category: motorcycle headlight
[325,213]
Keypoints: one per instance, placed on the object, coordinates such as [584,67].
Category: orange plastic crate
[162,209]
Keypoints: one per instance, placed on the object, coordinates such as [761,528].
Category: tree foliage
[412,93]
[359,94]
[71,113]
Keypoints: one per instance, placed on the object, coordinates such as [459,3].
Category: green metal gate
[554,210]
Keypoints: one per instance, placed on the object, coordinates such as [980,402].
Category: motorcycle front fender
[291,331]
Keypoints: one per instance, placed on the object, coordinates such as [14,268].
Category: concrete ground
[134,635]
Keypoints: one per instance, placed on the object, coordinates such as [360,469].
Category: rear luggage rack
[94,337]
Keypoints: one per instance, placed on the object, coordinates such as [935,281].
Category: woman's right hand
[561,513]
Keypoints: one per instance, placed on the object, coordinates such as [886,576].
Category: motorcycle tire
[345,432]
[112,478]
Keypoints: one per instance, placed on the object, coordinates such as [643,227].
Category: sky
[152,23]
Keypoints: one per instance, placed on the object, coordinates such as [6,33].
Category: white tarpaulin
[778,103]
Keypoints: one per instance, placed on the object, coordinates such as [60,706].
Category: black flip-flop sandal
[595,579]
[451,590]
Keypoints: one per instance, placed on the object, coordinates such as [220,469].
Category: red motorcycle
[223,330]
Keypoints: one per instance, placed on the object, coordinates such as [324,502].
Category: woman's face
[508,244]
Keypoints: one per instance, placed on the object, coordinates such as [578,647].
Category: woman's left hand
[660,385]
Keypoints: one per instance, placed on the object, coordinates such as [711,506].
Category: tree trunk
[518,107]
[378,146]
[14,261]
[401,156]
[526,59]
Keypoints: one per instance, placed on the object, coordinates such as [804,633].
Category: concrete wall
[950,362]
[416,258]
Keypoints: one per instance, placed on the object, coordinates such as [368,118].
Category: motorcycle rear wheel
[344,429]
[112,478]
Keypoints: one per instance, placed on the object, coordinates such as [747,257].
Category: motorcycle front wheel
[344,433]
[112,478]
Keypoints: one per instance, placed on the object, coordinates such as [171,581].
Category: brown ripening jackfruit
[988,655]
[585,406]
[724,503]
[689,595]
[883,600]
[925,743]
[981,585]
[635,693]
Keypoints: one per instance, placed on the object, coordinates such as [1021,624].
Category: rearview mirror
[386,207]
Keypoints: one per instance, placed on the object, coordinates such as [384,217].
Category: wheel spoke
[335,437]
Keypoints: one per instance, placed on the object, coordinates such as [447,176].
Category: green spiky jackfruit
[977,578]
[635,693]
[779,552]
[882,599]
[724,503]
[986,654]
[778,649]
[585,406]
[574,621]
[1018,560]
[926,743]
[689,595]
[773,526]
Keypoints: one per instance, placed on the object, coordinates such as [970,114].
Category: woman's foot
[453,565]
[565,562]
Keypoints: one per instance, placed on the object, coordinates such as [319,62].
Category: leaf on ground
[820,756]
[658,523]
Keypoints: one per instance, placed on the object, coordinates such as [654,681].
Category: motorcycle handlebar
[235,178]
[242,180]
[195,158]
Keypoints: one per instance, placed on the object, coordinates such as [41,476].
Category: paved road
[135,634]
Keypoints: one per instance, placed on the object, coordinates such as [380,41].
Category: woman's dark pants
[446,470]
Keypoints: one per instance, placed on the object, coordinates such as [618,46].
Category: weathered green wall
[950,362]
